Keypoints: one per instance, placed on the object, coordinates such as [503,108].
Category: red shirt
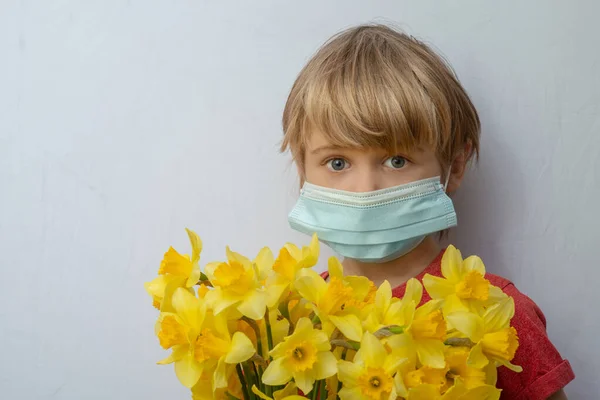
[544,370]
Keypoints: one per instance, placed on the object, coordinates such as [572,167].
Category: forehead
[316,143]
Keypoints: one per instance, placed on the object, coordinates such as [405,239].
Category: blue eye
[337,164]
[395,162]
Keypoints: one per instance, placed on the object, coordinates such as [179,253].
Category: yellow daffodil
[426,379]
[338,302]
[387,310]
[200,341]
[290,260]
[424,328]
[463,286]
[176,270]
[238,283]
[458,367]
[494,338]
[370,375]
[304,356]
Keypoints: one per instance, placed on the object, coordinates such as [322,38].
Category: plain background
[122,122]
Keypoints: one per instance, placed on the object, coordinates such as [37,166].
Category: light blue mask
[374,226]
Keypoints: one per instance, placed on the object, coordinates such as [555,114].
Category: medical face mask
[376,226]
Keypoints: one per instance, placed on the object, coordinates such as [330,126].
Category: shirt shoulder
[544,370]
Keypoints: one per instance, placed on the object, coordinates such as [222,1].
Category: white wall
[122,122]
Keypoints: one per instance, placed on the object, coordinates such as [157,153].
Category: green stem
[251,378]
[256,329]
[283,309]
[269,389]
[269,334]
[323,390]
[259,383]
[240,375]
[315,391]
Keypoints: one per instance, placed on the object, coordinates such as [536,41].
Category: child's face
[365,170]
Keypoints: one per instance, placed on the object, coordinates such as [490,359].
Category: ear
[458,168]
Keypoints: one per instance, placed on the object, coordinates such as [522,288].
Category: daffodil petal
[233,256]
[351,394]
[310,285]
[467,323]
[260,394]
[454,304]
[496,294]
[241,349]
[293,251]
[361,286]
[452,264]
[400,313]
[372,351]
[196,243]
[431,352]
[325,366]
[474,263]
[254,305]
[428,308]
[400,386]
[157,286]
[194,276]
[276,374]
[280,329]
[383,296]
[289,390]
[422,392]
[264,262]
[177,354]
[498,316]
[304,380]
[414,291]
[334,267]
[310,254]
[188,371]
[220,301]
[166,304]
[274,293]
[220,375]
[189,308]
[438,288]
[403,347]
[349,325]
[393,362]
[209,270]
[509,365]
[348,372]
[476,357]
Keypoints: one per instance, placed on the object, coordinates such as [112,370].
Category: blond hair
[372,86]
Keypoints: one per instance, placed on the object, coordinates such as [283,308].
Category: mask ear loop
[447,178]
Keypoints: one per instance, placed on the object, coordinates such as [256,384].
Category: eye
[395,162]
[337,164]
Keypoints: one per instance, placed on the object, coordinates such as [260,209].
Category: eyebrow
[325,148]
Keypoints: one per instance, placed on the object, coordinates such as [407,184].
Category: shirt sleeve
[544,370]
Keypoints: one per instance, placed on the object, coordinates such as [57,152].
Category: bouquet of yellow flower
[273,328]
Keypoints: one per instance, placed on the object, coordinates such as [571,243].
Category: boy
[376,118]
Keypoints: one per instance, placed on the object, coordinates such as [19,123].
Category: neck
[397,271]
